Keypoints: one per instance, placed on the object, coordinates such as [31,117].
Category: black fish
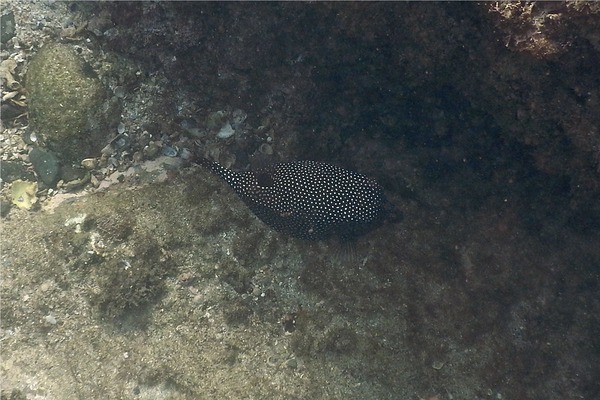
[310,200]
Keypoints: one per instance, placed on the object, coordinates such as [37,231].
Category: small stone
[437,365]
[226,131]
[119,92]
[89,163]
[121,141]
[45,164]
[169,151]
[50,319]
[30,137]
[7,26]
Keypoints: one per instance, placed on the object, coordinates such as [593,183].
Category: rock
[7,26]
[226,131]
[69,107]
[89,163]
[45,164]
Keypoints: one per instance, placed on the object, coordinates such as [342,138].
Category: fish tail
[205,162]
[212,166]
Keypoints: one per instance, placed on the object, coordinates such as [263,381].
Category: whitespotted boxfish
[311,200]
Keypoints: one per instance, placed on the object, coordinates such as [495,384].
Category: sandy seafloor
[163,285]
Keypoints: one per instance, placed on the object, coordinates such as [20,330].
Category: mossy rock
[69,107]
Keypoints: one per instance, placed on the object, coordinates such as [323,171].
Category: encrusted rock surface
[138,275]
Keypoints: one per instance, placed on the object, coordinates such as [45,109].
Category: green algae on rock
[69,106]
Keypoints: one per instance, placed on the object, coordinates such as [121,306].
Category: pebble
[30,137]
[45,164]
[121,141]
[438,365]
[226,131]
[89,163]
[266,149]
[119,92]
[169,151]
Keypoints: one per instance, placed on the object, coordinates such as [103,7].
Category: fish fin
[212,166]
